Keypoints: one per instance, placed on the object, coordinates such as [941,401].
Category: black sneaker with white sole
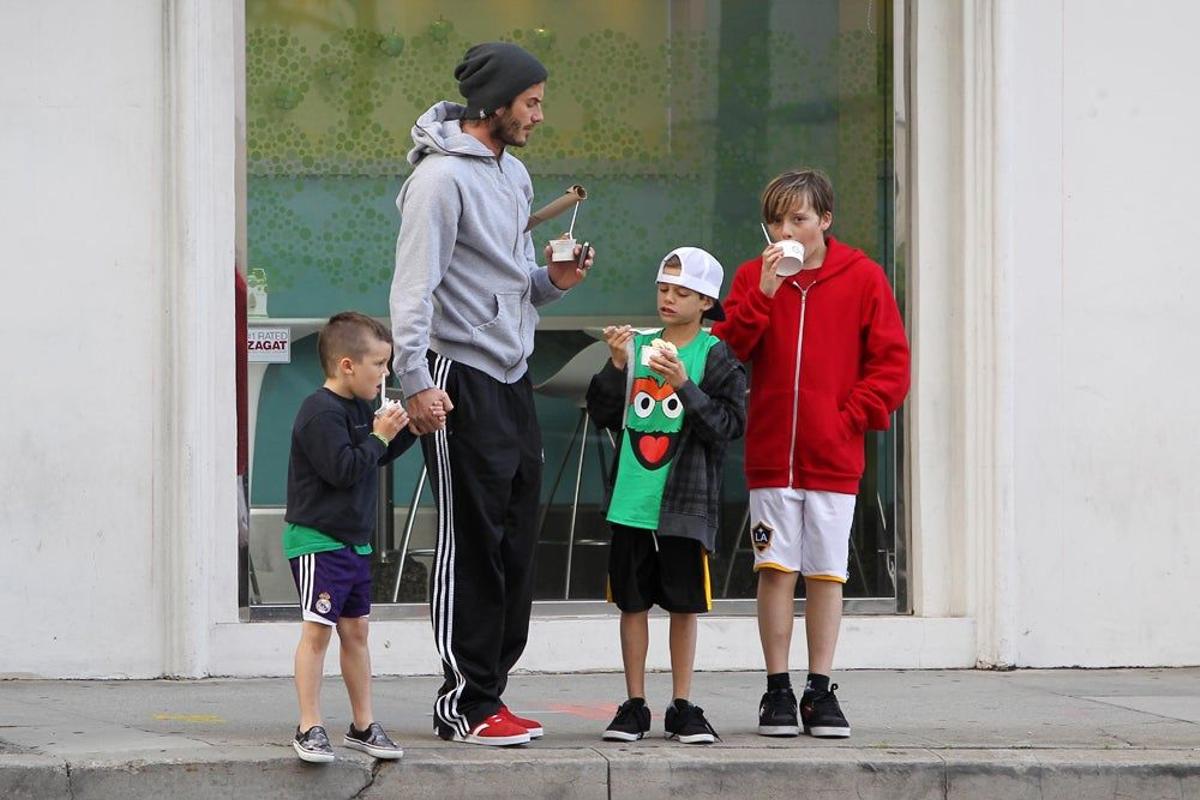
[685,722]
[631,723]
[373,741]
[822,715]
[777,713]
[313,745]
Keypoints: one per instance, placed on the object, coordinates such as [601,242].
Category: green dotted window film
[674,115]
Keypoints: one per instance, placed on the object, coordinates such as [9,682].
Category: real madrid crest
[324,603]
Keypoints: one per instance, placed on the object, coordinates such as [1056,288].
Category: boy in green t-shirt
[677,398]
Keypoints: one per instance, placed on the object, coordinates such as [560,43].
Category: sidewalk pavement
[1072,734]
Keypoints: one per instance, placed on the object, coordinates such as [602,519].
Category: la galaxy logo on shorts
[760,536]
[323,603]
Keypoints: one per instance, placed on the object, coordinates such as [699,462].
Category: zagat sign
[269,345]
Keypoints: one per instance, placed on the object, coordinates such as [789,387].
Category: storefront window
[672,114]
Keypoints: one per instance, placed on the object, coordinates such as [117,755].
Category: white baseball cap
[699,272]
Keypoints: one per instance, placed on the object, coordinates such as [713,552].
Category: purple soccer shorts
[333,584]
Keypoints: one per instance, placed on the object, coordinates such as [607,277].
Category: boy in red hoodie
[830,361]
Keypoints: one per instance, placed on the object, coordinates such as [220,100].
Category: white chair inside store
[741,545]
[571,383]
[409,521]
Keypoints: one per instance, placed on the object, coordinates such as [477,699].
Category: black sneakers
[373,741]
[822,715]
[686,723]
[777,713]
[631,723]
[313,745]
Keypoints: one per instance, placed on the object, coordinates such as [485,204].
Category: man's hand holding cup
[568,262]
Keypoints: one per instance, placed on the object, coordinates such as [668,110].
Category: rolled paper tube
[572,197]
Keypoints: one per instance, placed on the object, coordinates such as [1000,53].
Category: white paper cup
[562,249]
[793,258]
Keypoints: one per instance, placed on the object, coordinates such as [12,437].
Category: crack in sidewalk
[375,767]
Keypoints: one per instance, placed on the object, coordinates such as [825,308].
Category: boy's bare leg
[309,666]
[776,594]
[356,668]
[635,641]
[683,653]
[822,621]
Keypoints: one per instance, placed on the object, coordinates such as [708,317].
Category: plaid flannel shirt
[714,414]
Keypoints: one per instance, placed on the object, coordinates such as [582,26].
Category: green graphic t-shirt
[653,420]
[299,540]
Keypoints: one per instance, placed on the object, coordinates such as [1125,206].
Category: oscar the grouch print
[653,422]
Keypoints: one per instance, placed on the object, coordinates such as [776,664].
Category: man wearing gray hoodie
[464,305]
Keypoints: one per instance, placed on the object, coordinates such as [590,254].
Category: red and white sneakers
[496,730]
[533,726]
[500,729]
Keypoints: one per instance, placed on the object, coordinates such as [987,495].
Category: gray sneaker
[313,745]
[373,741]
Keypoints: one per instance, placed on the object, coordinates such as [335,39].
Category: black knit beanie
[493,73]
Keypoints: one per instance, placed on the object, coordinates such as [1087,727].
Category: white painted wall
[1100,165]
[81,205]
[1053,512]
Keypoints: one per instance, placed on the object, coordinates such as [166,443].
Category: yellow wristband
[386,441]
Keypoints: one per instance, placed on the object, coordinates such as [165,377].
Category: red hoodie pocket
[768,426]
[825,444]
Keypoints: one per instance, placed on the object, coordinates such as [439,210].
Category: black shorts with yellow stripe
[668,571]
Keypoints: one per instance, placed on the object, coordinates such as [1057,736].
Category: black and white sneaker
[686,723]
[822,716]
[777,713]
[631,723]
[313,745]
[373,741]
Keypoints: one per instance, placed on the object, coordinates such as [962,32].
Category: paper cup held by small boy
[656,347]
[562,249]
[793,258]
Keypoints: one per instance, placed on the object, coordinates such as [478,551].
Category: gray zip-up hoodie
[466,283]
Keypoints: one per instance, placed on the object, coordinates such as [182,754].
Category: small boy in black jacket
[338,444]
[677,396]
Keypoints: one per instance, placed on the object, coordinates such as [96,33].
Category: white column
[961,453]
[934,452]
[988,496]
[194,493]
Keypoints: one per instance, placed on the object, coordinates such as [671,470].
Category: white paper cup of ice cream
[562,249]
[793,258]
[656,348]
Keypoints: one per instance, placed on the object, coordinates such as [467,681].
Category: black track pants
[486,473]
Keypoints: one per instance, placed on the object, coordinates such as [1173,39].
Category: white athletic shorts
[796,530]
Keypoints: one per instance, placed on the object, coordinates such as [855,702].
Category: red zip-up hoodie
[827,364]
